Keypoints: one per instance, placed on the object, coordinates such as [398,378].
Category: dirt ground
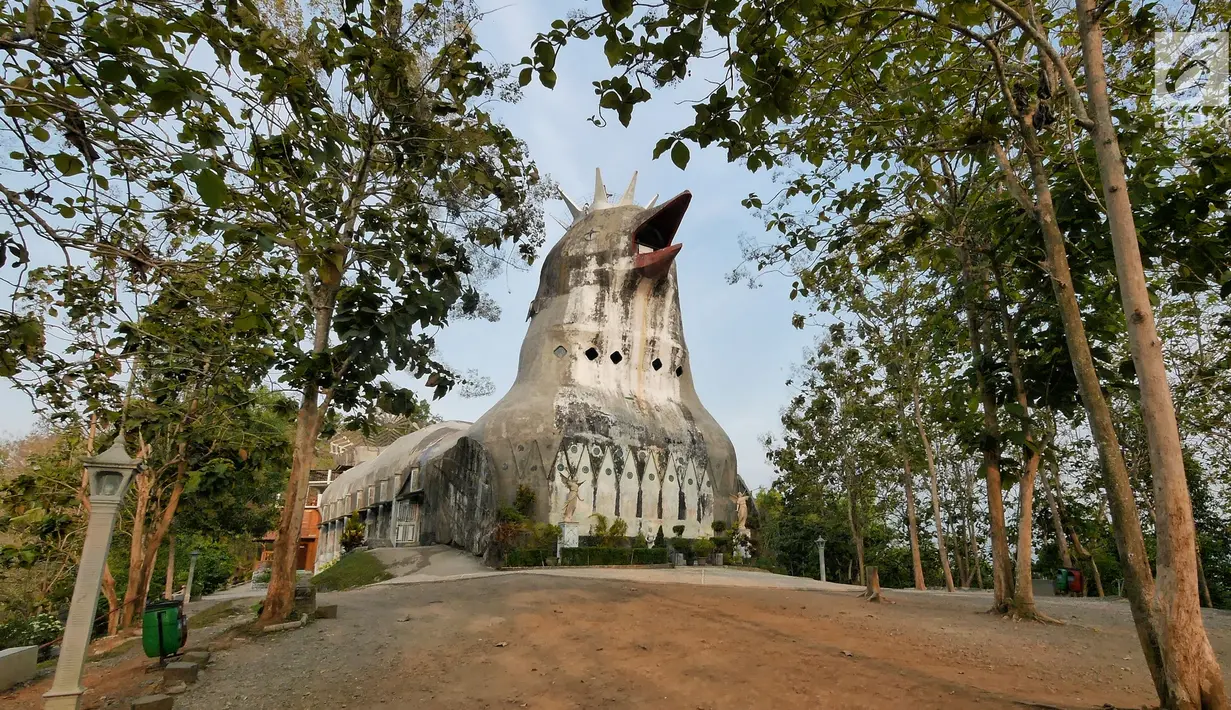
[536,641]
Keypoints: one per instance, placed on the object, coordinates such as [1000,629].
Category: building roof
[393,463]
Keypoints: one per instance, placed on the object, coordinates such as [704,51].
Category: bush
[523,503]
[352,534]
[509,514]
[581,556]
[655,556]
[660,539]
[718,526]
[527,558]
[605,534]
[30,631]
[703,548]
[640,543]
[678,530]
[544,536]
[261,576]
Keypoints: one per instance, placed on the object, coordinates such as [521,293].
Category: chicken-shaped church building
[602,419]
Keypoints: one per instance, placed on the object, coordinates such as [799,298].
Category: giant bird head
[614,244]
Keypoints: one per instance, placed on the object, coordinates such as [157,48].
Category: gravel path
[556,640]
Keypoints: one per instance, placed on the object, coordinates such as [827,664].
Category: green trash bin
[164,629]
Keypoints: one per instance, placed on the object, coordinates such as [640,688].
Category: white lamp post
[192,568]
[109,474]
[820,551]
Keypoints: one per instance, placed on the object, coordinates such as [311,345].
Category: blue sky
[741,341]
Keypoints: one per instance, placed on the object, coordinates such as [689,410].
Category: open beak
[653,252]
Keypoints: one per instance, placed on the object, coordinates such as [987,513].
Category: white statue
[741,510]
[573,498]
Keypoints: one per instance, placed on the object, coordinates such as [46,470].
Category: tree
[805,71]
[373,177]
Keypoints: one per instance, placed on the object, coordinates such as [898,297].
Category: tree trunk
[856,528]
[912,523]
[908,485]
[1002,565]
[1085,554]
[935,489]
[1193,678]
[873,591]
[280,596]
[1023,587]
[1130,543]
[1205,586]
[145,547]
[169,588]
[1057,523]
[136,550]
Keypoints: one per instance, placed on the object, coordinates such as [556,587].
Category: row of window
[616,358]
[358,500]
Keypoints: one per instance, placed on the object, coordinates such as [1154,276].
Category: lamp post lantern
[192,568]
[108,474]
[820,551]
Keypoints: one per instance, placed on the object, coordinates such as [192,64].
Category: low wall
[17,665]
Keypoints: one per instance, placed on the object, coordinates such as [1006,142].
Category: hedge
[582,556]
[527,558]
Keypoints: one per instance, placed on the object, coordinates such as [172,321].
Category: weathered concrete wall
[459,504]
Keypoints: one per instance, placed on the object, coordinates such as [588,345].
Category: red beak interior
[653,252]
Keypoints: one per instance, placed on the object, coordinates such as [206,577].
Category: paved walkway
[711,576]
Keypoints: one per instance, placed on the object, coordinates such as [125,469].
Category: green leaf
[68,165]
[679,155]
[211,188]
[619,9]
[548,78]
[525,76]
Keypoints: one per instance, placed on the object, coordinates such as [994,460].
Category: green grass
[355,569]
[213,615]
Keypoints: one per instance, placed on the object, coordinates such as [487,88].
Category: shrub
[544,536]
[640,543]
[30,631]
[527,558]
[660,539]
[352,534]
[718,526]
[509,514]
[579,556]
[703,547]
[523,502]
[618,532]
[261,576]
[678,530]
[655,556]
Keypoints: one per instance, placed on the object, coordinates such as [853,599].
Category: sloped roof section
[394,463]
